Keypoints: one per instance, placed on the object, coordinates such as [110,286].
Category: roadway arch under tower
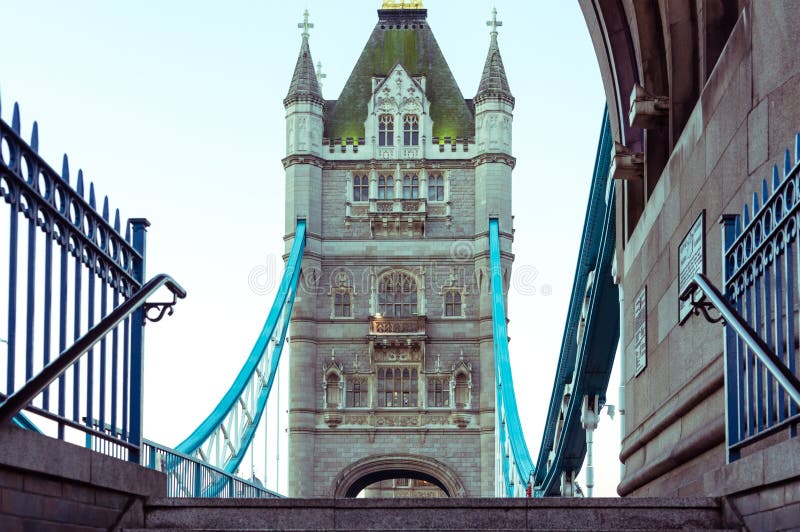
[362,473]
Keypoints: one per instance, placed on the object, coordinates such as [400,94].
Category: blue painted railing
[55,299]
[762,281]
[225,435]
[188,476]
[517,466]
[584,364]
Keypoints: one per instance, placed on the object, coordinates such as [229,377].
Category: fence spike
[746,216]
[737,226]
[80,183]
[756,206]
[116,221]
[787,163]
[128,233]
[776,181]
[797,148]
[92,202]
[65,169]
[105,208]
[35,137]
[765,191]
[15,119]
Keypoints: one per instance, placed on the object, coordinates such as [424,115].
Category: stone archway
[361,474]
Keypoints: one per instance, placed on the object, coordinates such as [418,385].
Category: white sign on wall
[640,332]
[691,260]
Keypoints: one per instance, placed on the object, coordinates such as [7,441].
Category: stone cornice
[427,164]
[294,159]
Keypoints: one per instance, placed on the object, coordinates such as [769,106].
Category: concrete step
[434,514]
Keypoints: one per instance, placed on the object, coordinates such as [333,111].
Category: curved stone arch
[417,278]
[364,472]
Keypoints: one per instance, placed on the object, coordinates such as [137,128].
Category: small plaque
[640,332]
[691,260]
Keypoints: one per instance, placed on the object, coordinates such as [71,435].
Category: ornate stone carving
[397,421]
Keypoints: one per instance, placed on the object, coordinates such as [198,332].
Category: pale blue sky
[174,109]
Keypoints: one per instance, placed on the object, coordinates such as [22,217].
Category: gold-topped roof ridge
[402,4]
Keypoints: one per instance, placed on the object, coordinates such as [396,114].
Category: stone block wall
[746,116]
[46,484]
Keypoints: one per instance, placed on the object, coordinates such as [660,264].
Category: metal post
[139,242]
[732,399]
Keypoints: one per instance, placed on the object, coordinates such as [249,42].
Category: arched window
[410,187]
[435,187]
[438,393]
[397,387]
[360,188]
[356,393]
[385,187]
[333,393]
[386,130]
[341,304]
[462,391]
[452,303]
[397,295]
[411,130]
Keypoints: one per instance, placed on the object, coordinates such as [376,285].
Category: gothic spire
[304,86]
[494,82]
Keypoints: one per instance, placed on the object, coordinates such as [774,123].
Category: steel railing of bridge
[224,437]
[761,280]
[76,356]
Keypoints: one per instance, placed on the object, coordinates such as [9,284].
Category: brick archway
[361,474]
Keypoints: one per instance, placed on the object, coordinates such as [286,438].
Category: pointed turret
[494,82]
[304,86]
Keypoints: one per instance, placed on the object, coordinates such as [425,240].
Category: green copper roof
[401,37]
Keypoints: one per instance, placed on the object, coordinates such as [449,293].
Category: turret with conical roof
[304,104]
[494,103]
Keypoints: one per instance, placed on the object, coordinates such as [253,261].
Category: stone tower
[391,353]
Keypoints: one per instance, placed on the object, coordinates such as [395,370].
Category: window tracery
[398,387]
[397,295]
[360,188]
[410,130]
[386,130]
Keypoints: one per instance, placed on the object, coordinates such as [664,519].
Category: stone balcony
[396,332]
[397,217]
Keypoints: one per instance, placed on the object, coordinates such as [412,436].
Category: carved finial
[305,25]
[438,363]
[333,354]
[320,75]
[494,23]
[462,355]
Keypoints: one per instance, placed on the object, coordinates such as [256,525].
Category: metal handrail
[20,399]
[788,381]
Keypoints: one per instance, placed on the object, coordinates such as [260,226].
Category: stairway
[433,514]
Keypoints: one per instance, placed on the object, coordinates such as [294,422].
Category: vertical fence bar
[732,351]
[769,404]
[780,337]
[90,281]
[789,311]
[139,233]
[758,369]
[76,333]
[103,312]
[62,329]
[30,298]
[114,359]
[12,289]
[48,303]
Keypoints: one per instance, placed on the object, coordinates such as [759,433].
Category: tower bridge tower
[391,366]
